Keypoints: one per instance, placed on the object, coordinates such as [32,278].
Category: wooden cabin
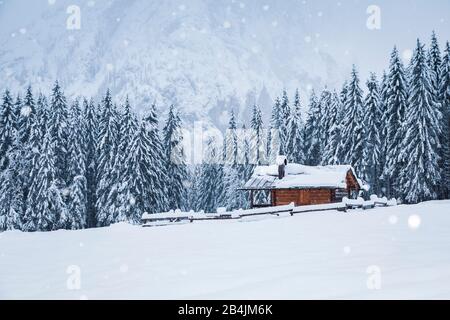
[284,183]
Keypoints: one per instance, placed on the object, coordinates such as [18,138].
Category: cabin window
[339,195]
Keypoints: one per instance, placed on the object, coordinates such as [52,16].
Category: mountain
[206,56]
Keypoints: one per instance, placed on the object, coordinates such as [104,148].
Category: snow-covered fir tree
[273,135]
[283,118]
[294,143]
[45,207]
[141,178]
[353,124]
[444,98]
[257,140]
[420,148]
[90,131]
[175,158]
[211,178]
[77,215]
[158,179]
[312,135]
[231,168]
[231,142]
[325,119]
[26,116]
[17,110]
[434,62]
[371,170]
[7,129]
[11,193]
[106,152]
[330,154]
[396,105]
[58,124]
[383,94]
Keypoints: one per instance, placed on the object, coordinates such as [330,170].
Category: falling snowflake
[347,250]
[110,67]
[51,2]
[414,222]
[227,24]
[307,39]
[266,7]
[132,200]
[407,55]
[393,219]
[182,7]
[124,268]
[23,30]
[26,111]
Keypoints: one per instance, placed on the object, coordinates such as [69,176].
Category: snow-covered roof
[299,177]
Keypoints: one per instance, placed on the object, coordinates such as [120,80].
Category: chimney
[282,163]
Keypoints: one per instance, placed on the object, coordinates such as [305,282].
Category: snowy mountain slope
[308,256]
[201,54]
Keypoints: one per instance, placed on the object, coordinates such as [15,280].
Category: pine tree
[106,151]
[211,178]
[7,129]
[11,193]
[353,125]
[434,61]
[397,101]
[384,88]
[294,144]
[312,151]
[273,136]
[231,173]
[138,190]
[331,151]
[77,216]
[176,169]
[284,114]
[444,98]
[45,208]
[231,142]
[27,116]
[158,197]
[17,110]
[58,125]
[420,147]
[90,129]
[371,170]
[325,121]
[340,154]
[257,141]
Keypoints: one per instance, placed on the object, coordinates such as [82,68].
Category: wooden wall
[302,197]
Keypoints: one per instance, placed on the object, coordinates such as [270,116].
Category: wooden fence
[178,217]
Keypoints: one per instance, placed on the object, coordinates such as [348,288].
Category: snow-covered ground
[399,252]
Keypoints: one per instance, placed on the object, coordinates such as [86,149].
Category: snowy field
[395,253]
